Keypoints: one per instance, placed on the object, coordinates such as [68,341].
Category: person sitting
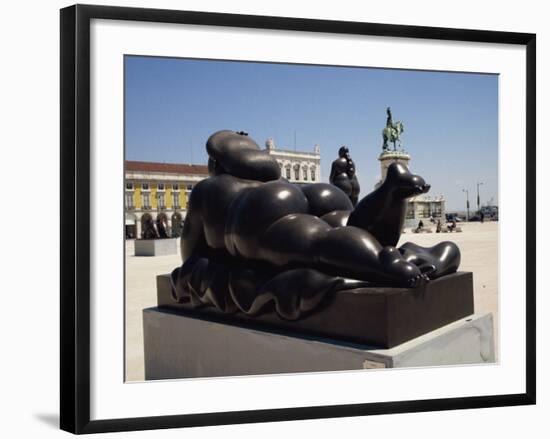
[452,226]
[420,227]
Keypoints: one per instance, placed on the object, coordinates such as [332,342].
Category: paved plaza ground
[478,244]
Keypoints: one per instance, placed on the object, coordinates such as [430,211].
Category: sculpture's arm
[238,155]
[332,172]
[192,235]
[351,167]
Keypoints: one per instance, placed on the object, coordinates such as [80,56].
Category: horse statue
[392,132]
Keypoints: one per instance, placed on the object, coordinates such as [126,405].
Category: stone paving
[478,244]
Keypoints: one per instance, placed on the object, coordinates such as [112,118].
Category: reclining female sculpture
[251,238]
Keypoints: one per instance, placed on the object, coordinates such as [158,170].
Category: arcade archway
[177,225]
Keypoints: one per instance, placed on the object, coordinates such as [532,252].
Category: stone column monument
[392,134]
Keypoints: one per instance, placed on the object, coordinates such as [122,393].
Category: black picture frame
[75,217]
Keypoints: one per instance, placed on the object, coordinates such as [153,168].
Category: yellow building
[153,190]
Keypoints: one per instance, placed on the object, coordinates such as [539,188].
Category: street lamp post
[479,183]
[467,204]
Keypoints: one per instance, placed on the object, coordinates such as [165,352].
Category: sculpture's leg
[356,253]
[436,261]
[346,251]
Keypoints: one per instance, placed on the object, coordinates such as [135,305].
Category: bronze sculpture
[252,239]
[342,175]
[392,131]
[162,226]
[149,227]
[155,229]
[382,212]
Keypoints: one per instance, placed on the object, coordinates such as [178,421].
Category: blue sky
[451,119]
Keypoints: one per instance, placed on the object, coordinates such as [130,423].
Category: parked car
[453,216]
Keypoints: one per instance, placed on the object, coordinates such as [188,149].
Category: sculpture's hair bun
[239,155]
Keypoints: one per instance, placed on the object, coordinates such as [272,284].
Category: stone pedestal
[156,247]
[388,157]
[179,346]
[378,316]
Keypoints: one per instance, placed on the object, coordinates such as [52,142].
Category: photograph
[285,218]
[275,219]
[278,218]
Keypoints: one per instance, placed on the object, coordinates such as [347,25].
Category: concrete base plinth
[179,346]
[156,247]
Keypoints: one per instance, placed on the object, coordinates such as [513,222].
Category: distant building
[421,207]
[297,166]
[155,189]
[424,207]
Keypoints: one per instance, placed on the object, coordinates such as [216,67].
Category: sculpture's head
[343,151]
[403,182]
[235,153]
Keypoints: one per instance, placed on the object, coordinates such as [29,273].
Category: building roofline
[166,168]
[295,152]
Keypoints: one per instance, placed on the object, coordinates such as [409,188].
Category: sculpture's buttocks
[213,198]
[254,211]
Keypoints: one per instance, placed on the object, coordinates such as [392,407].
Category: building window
[160,187]
[297,172]
[424,211]
[129,200]
[129,186]
[189,187]
[144,186]
[160,198]
[288,172]
[410,211]
[312,173]
[175,187]
[304,171]
[176,200]
[436,210]
[146,200]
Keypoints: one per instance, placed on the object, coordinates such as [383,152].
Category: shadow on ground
[50,419]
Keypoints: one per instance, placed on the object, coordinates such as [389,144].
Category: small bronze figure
[342,175]
[149,228]
[162,226]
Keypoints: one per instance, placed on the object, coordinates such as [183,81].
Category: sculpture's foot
[400,271]
[436,261]
[418,280]
[428,269]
